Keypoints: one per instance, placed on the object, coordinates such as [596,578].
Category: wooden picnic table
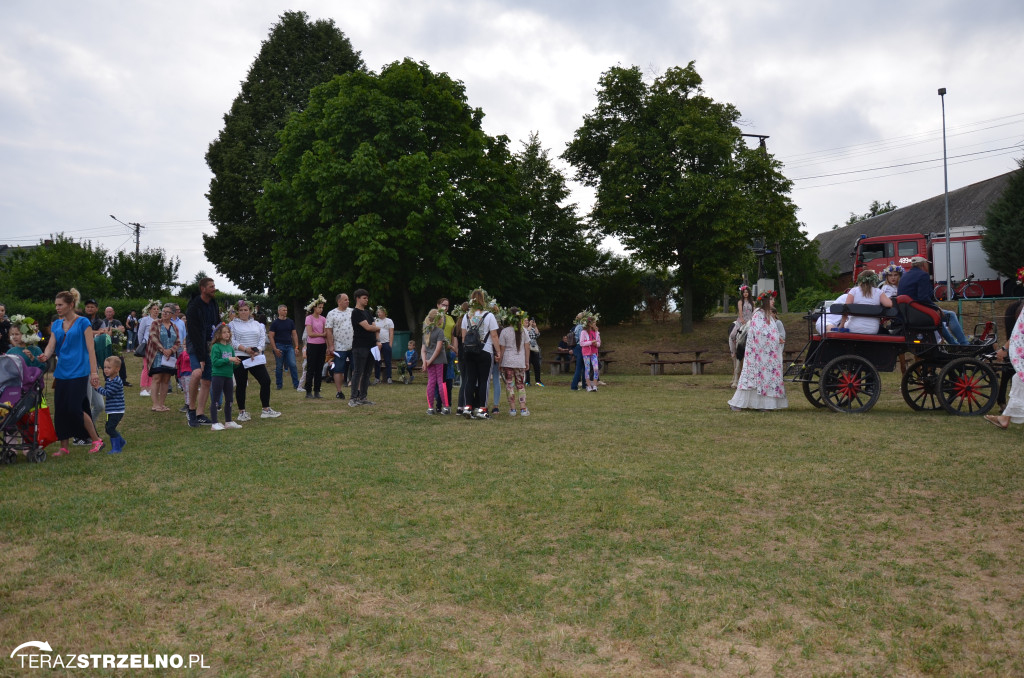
[657,364]
[559,365]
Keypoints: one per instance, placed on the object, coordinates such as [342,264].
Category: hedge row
[43,311]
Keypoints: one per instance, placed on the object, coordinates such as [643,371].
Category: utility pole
[135,226]
[778,253]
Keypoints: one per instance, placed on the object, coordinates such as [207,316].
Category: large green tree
[38,273]
[549,246]
[388,181]
[148,274]
[297,56]
[1004,227]
[667,162]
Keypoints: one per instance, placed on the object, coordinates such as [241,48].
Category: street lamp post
[945,179]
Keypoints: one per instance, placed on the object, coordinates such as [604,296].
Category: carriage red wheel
[812,386]
[920,386]
[967,387]
[850,384]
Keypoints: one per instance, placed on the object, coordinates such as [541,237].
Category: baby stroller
[21,393]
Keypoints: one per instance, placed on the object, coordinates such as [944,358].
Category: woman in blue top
[71,340]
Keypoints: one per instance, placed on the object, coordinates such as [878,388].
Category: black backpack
[473,344]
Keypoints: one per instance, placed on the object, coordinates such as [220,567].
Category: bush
[807,298]
[43,311]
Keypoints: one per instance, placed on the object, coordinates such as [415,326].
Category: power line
[894,174]
[905,164]
[927,136]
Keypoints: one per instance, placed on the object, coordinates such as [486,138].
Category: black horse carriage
[840,370]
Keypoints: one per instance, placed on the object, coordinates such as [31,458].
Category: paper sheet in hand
[169,361]
[253,362]
[375,352]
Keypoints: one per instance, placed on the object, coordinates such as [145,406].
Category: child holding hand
[113,394]
[222,366]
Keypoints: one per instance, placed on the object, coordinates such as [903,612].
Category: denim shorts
[193,360]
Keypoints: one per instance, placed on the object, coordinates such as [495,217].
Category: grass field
[641,530]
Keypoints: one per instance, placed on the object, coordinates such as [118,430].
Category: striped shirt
[113,391]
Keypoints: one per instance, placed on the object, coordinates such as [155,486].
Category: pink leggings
[145,380]
[435,380]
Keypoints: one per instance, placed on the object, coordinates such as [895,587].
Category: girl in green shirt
[222,365]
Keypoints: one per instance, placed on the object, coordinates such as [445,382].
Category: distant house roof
[8,250]
[967,207]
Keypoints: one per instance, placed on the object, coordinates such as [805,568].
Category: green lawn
[641,530]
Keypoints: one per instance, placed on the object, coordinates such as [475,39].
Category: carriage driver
[917,284]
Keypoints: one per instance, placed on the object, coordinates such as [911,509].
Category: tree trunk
[686,285]
[410,312]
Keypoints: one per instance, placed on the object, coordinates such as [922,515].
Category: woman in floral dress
[1013,413]
[760,385]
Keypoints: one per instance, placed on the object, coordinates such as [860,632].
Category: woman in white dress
[744,309]
[760,385]
[867,293]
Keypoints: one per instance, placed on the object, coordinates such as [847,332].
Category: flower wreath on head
[743,287]
[490,303]
[892,268]
[314,302]
[1020,275]
[765,295]
[149,305]
[429,325]
[586,316]
[28,326]
[513,320]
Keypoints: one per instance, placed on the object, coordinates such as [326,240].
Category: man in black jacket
[201,318]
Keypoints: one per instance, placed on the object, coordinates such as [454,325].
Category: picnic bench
[657,364]
[562,366]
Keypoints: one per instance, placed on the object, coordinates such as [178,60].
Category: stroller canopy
[11,372]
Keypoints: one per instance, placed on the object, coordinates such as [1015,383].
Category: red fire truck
[966,256]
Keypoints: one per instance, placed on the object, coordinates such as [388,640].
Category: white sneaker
[144,393]
[269,414]
[301,390]
[232,424]
[243,416]
[524,412]
[511,413]
[217,427]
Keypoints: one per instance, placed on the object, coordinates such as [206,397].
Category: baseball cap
[918,260]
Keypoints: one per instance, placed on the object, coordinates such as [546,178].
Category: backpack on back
[473,343]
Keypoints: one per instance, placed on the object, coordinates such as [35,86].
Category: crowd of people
[490,346]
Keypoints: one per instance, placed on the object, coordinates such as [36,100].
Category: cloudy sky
[108,107]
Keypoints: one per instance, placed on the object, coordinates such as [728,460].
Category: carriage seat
[866,310]
[918,316]
[853,336]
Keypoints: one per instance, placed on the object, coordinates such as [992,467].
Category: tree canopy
[297,56]
[38,273]
[1004,227]
[148,274]
[673,178]
[386,181]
